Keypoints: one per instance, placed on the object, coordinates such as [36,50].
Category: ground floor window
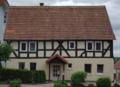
[69,66]
[88,68]
[99,68]
[21,65]
[32,66]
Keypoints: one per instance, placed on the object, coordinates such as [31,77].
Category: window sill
[69,68]
[100,74]
[89,74]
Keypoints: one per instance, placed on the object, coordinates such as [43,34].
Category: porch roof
[57,56]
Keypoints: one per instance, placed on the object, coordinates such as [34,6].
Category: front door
[55,69]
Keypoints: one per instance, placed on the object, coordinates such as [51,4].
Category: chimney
[41,4]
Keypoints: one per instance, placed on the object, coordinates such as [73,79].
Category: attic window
[72,45]
[5,17]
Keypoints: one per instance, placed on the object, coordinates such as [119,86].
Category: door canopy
[56,59]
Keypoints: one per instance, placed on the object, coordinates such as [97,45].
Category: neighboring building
[4,6]
[117,66]
[69,38]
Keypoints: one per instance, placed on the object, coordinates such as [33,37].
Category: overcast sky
[113,9]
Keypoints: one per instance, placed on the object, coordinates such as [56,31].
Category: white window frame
[71,42]
[21,46]
[87,45]
[35,46]
[71,65]
[100,43]
[103,70]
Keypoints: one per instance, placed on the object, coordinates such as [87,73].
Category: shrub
[15,83]
[116,85]
[8,81]
[64,82]
[58,84]
[78,78]
[90,85]
[27,76]
[103,82]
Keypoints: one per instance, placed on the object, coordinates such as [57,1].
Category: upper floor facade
[65,48]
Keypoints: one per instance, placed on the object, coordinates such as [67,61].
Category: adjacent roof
[117,64]
[58,23]
[57,56]
[2,1]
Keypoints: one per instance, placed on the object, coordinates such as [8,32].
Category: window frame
[96,47]
[91,68]
[21,46]
[71,42]
[71,66]
[19,64]
[87,45]
[103,69]
[29,45]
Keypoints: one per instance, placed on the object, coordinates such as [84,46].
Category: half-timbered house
[69,38]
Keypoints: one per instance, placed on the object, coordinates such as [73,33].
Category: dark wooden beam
[49,72]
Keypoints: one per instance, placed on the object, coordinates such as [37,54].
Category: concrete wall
[77,65]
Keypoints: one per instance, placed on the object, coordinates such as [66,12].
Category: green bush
[63,82]
[8,81]
[15,83]
[27,76]
[116,85]
[103,82]
[59,84]
[90,85]
[78,78]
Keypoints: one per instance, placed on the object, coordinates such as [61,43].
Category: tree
[5,51]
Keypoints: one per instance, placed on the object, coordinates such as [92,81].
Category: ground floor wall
[78,64]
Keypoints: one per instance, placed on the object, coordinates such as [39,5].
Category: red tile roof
[58,23]
[58,56]
[117,64]
[2,1]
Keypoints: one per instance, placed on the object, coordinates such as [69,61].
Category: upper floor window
[32,46]
[72,45]
[98,46]
[5,17]
[23,46]
[89,45]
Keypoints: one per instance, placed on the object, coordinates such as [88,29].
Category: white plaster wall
[81,45]
[72,53]
[79,53]
[49,53]
[40,45]
[90,54]
[14,44]
[55,44]
[106,44]
[98,54]
[64,54]
[40,53]
[12,55]
[65,44]
[23,54]
[48,45]
[107,54]
[16,53]
[32,54]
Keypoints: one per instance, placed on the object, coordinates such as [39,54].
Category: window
[21,65]
[23,46]
[98,46]
[5,17]
[32,46]
[99,68]
[88,68]
[69,66]
[32,66]
[89,45]
[72,45]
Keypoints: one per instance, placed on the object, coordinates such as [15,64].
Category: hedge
[26,76]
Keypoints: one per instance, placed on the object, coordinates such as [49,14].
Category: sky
[113,9]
